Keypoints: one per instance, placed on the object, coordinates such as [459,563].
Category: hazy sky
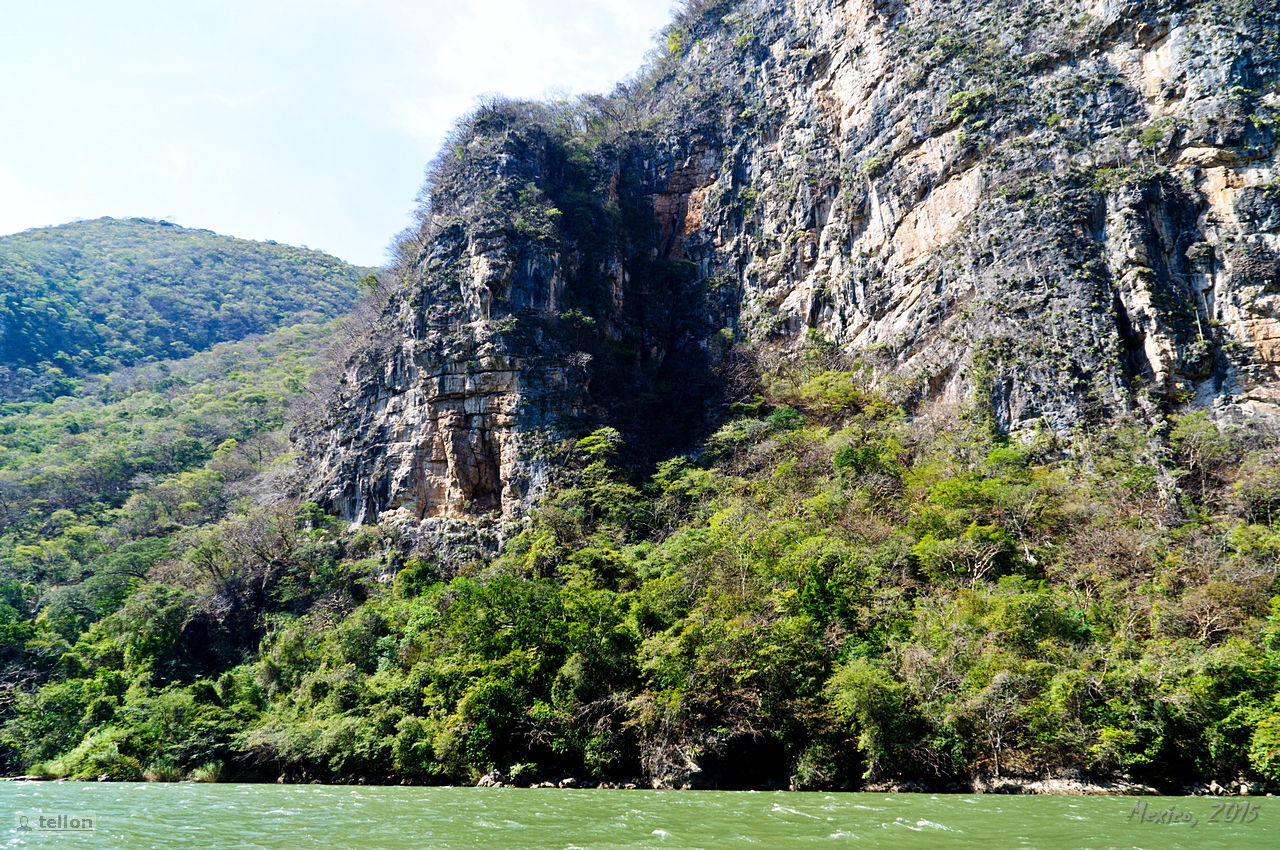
[304,121]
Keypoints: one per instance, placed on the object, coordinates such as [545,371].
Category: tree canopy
[94,296]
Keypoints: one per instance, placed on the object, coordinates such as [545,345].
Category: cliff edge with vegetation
[1066,208]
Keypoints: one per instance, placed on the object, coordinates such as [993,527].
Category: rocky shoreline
[980,785]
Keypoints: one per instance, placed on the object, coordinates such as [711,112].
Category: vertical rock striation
[1067,209]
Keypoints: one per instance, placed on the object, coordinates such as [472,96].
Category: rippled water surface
[247,816]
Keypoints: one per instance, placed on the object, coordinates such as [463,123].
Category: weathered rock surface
[1064,209]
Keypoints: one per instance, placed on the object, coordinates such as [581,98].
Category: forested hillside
[93,296]
[100,493]
[93,486]
[841,586]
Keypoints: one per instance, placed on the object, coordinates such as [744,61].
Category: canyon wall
[1065,211]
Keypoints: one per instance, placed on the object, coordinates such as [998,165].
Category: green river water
[302,816]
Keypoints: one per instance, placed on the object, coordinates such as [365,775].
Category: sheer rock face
[1068,208]
[429,417]
[525,314]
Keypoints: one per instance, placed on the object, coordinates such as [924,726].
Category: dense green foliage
[99,492]
[93,296]
[838,587]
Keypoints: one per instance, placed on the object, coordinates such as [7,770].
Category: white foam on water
[790,811]
[921,825]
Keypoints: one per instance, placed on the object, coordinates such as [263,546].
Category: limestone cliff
[1064,209]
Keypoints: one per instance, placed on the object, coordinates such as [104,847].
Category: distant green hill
[93,296]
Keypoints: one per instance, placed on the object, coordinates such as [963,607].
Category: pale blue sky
[305,121]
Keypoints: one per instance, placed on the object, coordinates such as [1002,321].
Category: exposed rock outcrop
[1065,209]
